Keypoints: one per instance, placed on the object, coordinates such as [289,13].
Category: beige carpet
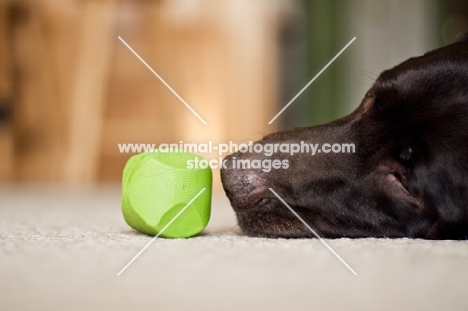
[62,250]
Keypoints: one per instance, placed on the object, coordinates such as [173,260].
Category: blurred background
[70,91]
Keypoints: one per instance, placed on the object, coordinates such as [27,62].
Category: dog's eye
[378,104]
[406,154]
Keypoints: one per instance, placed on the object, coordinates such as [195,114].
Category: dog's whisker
[368,76]
[369,73]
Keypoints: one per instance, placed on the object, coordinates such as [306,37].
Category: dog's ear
[463,37]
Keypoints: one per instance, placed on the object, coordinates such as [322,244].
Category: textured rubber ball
[157,186]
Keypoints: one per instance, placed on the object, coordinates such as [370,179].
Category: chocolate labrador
[408,174]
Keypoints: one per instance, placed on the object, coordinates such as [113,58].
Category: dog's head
[407,176]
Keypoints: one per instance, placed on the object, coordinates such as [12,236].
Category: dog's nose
[244,187]
[230,176]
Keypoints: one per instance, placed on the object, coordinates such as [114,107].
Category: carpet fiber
[62,250]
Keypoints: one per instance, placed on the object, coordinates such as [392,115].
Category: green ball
[157,186]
